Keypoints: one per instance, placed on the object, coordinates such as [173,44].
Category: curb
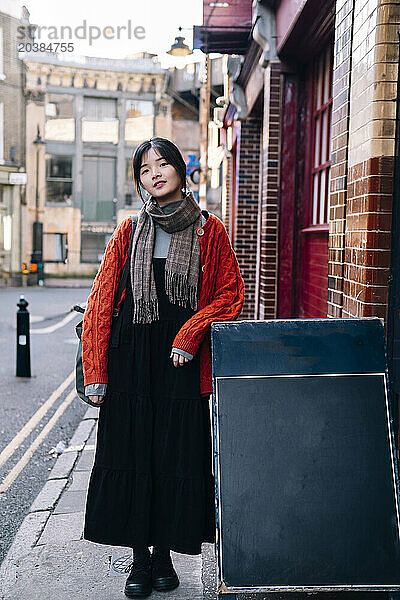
[48,549]
[43,506]
[55,282]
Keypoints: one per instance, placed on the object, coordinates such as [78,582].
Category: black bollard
[23,340]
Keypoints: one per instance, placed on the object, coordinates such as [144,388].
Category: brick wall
[339,153]
[374,73]
[367,253]
[247,209]
[363,129]
[270,194]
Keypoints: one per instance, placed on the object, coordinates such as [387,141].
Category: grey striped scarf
[182,264]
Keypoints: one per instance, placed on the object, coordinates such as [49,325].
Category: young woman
[151,483]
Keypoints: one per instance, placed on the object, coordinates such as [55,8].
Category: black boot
[138,584]
[163,574]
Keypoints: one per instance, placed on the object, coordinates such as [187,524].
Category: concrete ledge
[63,465]
[21,548]
[91,413]
[82,432]
[49,494]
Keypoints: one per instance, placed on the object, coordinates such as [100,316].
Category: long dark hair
[167,150]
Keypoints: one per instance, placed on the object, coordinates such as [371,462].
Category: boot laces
[140,566]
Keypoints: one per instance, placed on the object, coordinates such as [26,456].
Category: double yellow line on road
[28,428]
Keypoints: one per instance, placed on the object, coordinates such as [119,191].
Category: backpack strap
[125,270]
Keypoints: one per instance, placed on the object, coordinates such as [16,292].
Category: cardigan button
[200,231]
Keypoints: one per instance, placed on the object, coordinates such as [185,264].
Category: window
[55,248]
[59,105]
[2,75]
[1,130]
[129,188]
[7,220]
[130,194]
[99,186]
[59,179]
[139,120]
[100,122]
[60,122]
[93,245]
[321,165]
[99,109]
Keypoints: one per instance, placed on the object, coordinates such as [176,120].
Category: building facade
[309,125]
[12,141]
[90,116]
[311,165]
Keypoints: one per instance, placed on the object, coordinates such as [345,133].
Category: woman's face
[157,176]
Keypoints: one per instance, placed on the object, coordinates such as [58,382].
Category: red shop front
[305,48]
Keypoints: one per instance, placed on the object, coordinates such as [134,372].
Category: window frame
[72,103]
[1,130]
[87,98]
[2,74]
[48,157]
[320,107]
[63,239]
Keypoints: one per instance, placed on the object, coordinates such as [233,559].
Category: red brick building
[309,128]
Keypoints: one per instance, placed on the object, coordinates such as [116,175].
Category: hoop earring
[187,189]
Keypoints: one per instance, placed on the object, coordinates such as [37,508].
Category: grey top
[160,250]
[162,238]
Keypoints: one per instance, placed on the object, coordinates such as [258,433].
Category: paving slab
[71,502]
[49,557]
[65,527]
[85,461]
[80,569]
[80,481]
[91,413]
[27,535]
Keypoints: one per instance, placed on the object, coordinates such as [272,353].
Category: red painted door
[312,283]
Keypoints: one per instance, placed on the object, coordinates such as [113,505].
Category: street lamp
[37,254]
[179,48]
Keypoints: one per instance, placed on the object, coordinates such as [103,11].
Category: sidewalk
[68,282]
[49,559]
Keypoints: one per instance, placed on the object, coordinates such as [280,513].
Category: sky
[156,23]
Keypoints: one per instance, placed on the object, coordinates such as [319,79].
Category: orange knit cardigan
[221,299]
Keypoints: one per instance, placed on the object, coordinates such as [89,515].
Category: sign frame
[226,590]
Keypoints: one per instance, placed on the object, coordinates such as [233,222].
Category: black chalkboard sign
[306,476]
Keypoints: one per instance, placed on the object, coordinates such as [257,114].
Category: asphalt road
[25,471]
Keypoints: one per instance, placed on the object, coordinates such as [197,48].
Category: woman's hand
[96,399]
[178,359]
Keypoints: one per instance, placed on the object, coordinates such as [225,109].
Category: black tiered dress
[151,481]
